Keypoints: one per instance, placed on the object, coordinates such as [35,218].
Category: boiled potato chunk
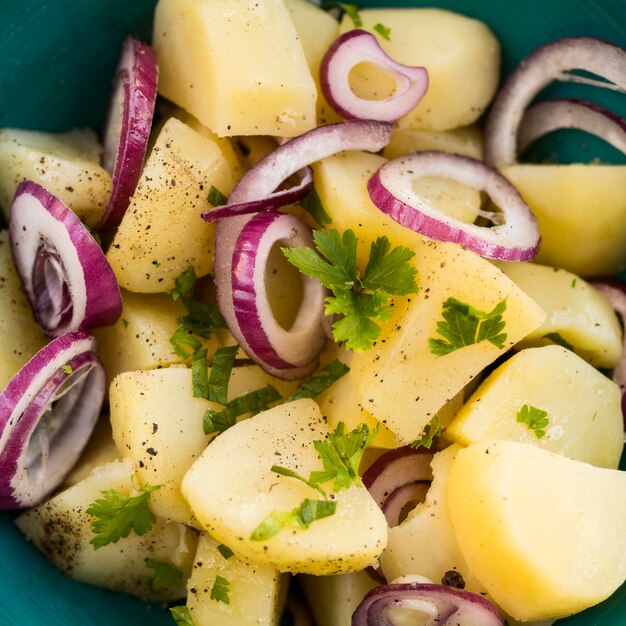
[461,54]
[400,380]
[162,233]
[231,489]
[66,164]
[583,407]
[140,338]
[157,423]
[20,335]
[236,65]
[579,209]
[61,529]
[424,543]
[575,311]
[546,535]
[254,591]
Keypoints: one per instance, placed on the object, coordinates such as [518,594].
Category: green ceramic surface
[57,60]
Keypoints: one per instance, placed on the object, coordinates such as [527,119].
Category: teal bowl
[57,63]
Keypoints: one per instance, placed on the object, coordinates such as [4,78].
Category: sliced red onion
[550,115]
[550,62]
[359,46]
[431,604]
[47,413]
[128,124]
[515,237]
[273,201]
[240,260]
[66,276]
[403,499]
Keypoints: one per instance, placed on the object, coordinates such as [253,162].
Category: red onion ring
[401,498]
[66,276]
[436,605]
[239,272]
[47,413]
[536,71]
[516,239]
[549,115]
[359,46]
[128,123]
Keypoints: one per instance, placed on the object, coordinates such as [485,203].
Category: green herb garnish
[199,374]
[558,339]
[431,431]
[349,8]
[220,590]
[464,325]
[182,616]
[165,576]
[221,368]
[182,338]
[216,197]
[321,381]
[312,203]
[225,551]
[534,418]
[117,514]
[68,369]
[383,31]
[360,301]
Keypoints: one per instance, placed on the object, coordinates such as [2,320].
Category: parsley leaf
[182,616]
[222,366]
[117,514]
[312,203]
[225,551]
[199,374]
[253,402]
[321,381]
[534,418]
[431,431]
[184,284]
[559,340]
[216,197]
[383,31]
[361,302]
[465,325]
[350,9]
[220,590]
[182,338]
[67,369]
[165,575]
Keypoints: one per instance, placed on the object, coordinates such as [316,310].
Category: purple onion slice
[424,604]
[402,500]
[128,124]
[359,46]
[66,276]
[240,265]
[47,413]
[551,62]
[549,115]
[515,236]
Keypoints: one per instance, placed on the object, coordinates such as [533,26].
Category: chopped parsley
[199,374]
[125,322]
[220,590]
[321,381]
[361,300]
[312,203]
[349,8]
[117,514]
[221,368]
[165,576]
[225,551]
[216,197]
[383,31]
[182,338]
[558,339]
[535,419]
[431,431]
[182,616]
[67,369]
[464,325]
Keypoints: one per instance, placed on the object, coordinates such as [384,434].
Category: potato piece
[579,209]
[575,311]
[20,335]
[140,338]
[424,543]
[583,407]
[546,535]
[467,141]
[461,54]
[61,529]
[254,591]
[162,233]
[231,489]
[236,65]
[66,164]
[157,423]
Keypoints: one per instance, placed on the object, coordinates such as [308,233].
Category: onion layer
[66,276]
[47,413]
[536,71]
[431,604]
[359,46]
[515,239]
[128,124]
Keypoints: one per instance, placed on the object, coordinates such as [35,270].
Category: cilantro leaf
[225,551]
[253,402]
[220,590]
[312,203]
[199,374]
[534,418]
[464,325]
[321,381]
[558,339]
[301,517]
[221,369]
[165,576]
[216,197]
[431,431]
[117,514]
[383,31]
[389,270]
[182,616]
